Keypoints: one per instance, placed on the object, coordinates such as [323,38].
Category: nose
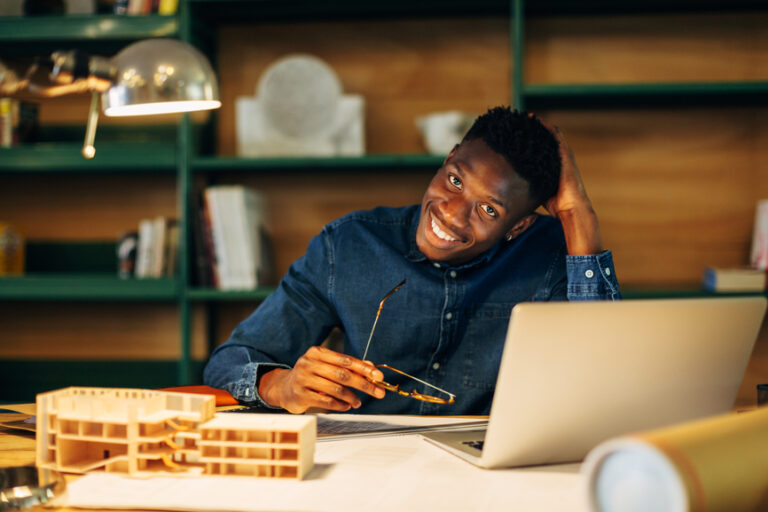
[455,211]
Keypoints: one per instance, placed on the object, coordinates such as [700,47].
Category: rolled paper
[709,465]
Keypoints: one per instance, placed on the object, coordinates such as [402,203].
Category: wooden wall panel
[84,206]
[675,189]
[83,331]
[647,48]
[402,68]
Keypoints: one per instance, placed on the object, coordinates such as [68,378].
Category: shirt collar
[415,255]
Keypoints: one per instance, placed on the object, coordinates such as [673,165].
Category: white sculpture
[300,109]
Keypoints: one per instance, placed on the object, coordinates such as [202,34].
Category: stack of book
[230,242]
[144,7]
[152,252]
[751,278]
[733,279]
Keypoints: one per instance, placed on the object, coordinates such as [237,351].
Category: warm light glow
[160,76]
[165,107]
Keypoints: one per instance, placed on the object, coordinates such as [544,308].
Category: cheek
[487,232]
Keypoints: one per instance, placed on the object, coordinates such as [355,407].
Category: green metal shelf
[605,7]
[22,29]
[683,93]
[87,287]
[208,294]
[67,157]
[270,10]
[22,379]
[356,163]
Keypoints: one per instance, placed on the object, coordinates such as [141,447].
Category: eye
[456,182]
[489,210]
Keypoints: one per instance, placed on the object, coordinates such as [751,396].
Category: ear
[520,226]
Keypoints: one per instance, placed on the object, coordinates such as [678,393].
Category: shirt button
[437,265]
[453,274]
[589,273]
[436,366]
[448,315]
[607,271]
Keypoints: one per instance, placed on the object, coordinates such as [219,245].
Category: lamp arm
[81,85]
[71,73]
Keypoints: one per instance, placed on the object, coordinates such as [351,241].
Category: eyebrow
[491,198]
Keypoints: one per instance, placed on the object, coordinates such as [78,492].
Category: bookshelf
[84,28]
[179,160]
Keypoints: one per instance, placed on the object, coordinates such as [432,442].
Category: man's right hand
[320,378]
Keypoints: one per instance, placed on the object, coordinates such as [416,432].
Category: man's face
[474,200]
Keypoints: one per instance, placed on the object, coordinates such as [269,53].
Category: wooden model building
[146,433]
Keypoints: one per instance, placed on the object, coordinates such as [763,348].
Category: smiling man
[473,249]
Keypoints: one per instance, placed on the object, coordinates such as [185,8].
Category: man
[473,249]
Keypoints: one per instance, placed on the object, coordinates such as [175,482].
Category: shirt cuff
[246,390]
[592,277]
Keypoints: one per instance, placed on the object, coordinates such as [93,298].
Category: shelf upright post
[518,50]
[184,191]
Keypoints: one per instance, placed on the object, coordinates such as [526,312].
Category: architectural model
[145,433]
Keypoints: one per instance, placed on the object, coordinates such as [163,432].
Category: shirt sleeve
[297,315]
[592,277]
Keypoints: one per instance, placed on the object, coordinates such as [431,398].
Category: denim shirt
[446,325]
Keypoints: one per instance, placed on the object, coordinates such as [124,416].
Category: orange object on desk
[222,397]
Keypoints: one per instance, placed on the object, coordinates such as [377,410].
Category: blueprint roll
[711,465]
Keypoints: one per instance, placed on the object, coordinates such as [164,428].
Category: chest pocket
[483,344]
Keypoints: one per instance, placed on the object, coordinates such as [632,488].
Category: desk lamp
[153,76]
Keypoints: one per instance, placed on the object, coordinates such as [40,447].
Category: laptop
[573,374]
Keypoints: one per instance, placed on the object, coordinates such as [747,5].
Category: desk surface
[366,474]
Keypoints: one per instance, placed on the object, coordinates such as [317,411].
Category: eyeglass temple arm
[416,379]
[378,312]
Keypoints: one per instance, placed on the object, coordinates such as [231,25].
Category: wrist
[269,386]
[581,229]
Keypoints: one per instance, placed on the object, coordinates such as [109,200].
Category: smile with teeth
[440,233]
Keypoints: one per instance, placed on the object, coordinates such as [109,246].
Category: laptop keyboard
[477,445]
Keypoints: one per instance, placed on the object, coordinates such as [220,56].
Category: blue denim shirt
[447,325]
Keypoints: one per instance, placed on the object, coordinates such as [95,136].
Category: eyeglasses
[396,388]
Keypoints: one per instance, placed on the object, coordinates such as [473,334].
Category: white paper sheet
[364,474]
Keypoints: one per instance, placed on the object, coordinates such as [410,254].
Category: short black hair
[527,145]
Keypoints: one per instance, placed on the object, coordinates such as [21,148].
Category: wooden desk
[18,449]
[372,474]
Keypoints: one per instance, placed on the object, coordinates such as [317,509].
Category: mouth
[442,233]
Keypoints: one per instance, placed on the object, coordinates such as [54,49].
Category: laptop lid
[573,374]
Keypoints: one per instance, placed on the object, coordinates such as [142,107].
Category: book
[159,234]
[126,255]
[12,250]
[168,7]
[204,256]
[144,251]
[121,7]
[137,7]
[759,253]
[736,279]
[236,216]
[171,251]
[214,216]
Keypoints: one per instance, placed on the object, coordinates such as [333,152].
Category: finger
[323,401]
[366,369]
[334,390]
[350,379]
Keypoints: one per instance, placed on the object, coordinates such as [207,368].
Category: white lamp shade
[160,76]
